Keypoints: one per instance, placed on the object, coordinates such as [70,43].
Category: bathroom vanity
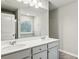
[33,49]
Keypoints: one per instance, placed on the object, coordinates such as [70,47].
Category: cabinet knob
[40,58]
[24,57]
[39,49]
[48,51]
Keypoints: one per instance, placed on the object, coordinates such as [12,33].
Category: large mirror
[20,19]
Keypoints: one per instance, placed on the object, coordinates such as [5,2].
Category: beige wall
[63,25]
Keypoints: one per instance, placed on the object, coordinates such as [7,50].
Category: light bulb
[29,1]
[35,1]
[19,0]
[26,1]
[32,4]
[39,4]
[36,6]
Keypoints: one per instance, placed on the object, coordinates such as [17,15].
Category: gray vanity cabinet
[41,55]
[25,54]
[40,52]
[13,57]
[53,53]
[45,51]
[53,50]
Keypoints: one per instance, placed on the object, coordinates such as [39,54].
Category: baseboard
[74,55]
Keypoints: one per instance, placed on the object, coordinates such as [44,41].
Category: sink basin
[11,47]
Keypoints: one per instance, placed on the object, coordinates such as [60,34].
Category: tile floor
[66,56]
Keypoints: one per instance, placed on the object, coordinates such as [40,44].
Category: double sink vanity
[22,28]
[31,49]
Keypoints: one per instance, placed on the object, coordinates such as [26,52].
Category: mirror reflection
[21,19]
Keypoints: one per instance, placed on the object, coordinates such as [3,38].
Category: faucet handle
[12,42]
[13,35]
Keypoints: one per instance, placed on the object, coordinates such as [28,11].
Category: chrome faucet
[43,37]
[12,42]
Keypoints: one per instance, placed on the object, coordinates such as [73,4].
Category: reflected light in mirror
[26,1]
[35,3]
[40,4]
[36,6]
[19,0]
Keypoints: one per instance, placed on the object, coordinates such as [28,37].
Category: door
[53,53]
[41,55]
[7,26]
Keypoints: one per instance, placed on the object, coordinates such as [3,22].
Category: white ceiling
[13,4]
[58,3]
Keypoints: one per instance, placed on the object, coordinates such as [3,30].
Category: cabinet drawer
[18,55]
[39,48]
[42,55]
[53,44]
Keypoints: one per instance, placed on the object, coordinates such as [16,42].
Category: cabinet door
[25,54]
[53,53]
[15,58]
[10,57]
[41,55]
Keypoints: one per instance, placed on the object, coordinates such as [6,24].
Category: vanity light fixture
[32,3]
[19,0]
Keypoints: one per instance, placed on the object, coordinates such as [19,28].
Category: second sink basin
[11,47]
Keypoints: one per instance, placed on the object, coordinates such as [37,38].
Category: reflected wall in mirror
[7,26]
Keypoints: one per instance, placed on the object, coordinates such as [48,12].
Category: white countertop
[28,44]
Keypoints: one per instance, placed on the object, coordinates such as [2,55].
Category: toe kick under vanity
[34,49]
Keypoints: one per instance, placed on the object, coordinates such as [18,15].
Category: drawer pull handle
[39,49]
[24,57]
[40,58]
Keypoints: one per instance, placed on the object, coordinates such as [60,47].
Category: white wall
[65,19]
